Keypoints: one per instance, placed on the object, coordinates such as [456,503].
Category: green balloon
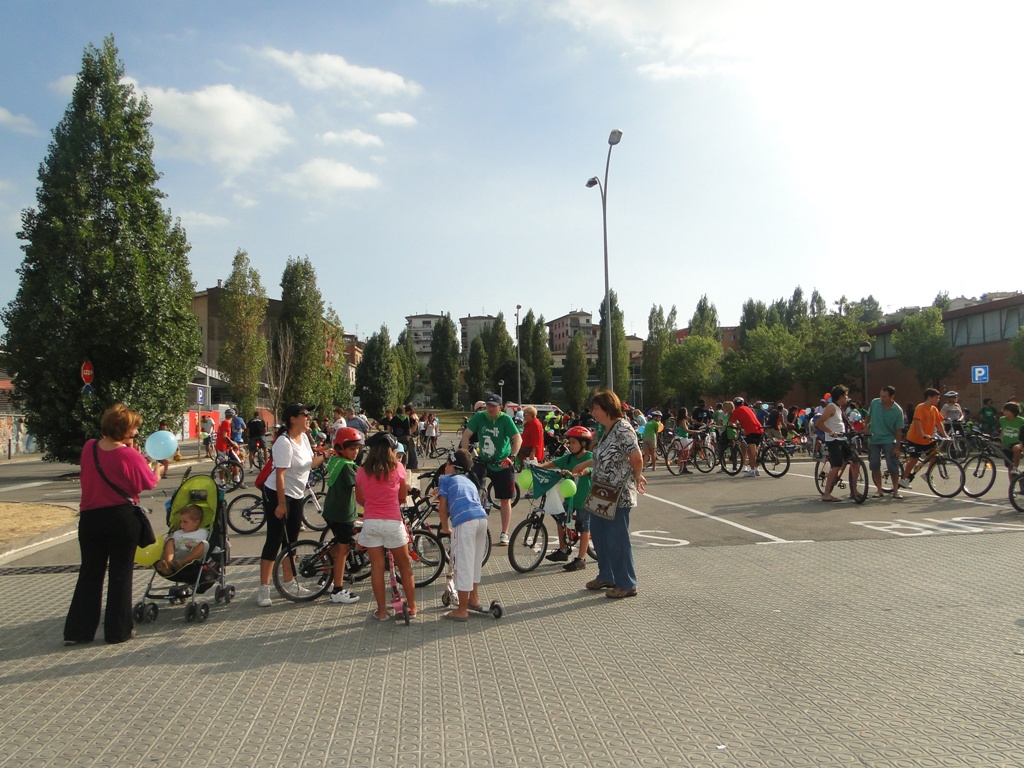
[567,488]
[525,479]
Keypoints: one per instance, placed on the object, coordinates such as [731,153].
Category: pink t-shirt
[124,467]
[380,496]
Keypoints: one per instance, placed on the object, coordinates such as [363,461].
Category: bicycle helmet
[348,435]
[738,401]
[383,437]
[229,413]
[952,393]
[580,433]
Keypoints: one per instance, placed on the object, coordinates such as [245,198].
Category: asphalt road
[677,512]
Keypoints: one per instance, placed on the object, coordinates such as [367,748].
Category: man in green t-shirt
[1011,432]
[885,423]
[498,441]
[988,417]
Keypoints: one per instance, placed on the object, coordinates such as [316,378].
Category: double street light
[613,138]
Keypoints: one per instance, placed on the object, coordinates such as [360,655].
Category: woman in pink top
[108,531]
[381,489]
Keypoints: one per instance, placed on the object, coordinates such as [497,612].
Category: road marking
[762,534]
[23,485]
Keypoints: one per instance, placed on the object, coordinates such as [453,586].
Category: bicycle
[1017,492]
[313,566]
[422,516]
[855,468]
[228,471]
[696,453]
[945,477]
[771,456]
[981,470]
[245,513]
[956,447]
[528,543]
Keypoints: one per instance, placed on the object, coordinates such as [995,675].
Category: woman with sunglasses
[284,494]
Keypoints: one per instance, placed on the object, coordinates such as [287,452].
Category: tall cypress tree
[302,313]
[105,276]
[376,379]
[243,310]
[541,362]
[620,349]
[444,361]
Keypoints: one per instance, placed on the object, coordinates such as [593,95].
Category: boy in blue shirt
[458,500]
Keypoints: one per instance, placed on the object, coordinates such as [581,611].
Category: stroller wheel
[203,613]
[229,594]
[139,613]
[190,612]
[218,595]
[152,611]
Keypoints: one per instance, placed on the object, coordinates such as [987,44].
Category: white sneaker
[904,483]
[296,589]
[344,596]
[757,472]
[503,540]
[263,596]
[749,473]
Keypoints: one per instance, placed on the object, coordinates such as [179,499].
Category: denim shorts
[877,452]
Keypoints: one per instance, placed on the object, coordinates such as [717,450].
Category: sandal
[615,593]
[596,584]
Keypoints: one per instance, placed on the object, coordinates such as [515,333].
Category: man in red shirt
[533,436]
[745,419]
[226,447]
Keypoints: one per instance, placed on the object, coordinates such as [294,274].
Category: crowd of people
[610,446]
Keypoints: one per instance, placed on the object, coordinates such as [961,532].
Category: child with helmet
[340,505]
[579,439]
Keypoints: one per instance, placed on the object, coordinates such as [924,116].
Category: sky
[432,155]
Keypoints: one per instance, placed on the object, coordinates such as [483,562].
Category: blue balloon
[161,445]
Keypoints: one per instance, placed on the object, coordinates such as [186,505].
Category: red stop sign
[87,372]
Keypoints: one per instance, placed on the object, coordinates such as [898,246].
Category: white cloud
[402,119]
[353,136]
[321,175]
[17,123]
[323,71]
[200,219]
[65,85]
[244,201]
[221,124]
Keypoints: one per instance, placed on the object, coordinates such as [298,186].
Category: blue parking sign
[979,374]
[200,394]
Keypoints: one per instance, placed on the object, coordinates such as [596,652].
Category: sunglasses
[305,414]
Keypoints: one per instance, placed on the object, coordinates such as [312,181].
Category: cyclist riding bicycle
[1011,432]
[227,447]
[921,434]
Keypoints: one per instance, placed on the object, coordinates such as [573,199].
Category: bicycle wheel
[496,503]
[1017,493]
[528,544]
[732,460]
[703,458]
[979,475]
[774,460]
[821,469]
[956,448]
[427,557]
[675,460]
[258,457]
[228,475]
[945,477]
[245,513]
[313,568]
[318,479]
[858,486]
[313,512]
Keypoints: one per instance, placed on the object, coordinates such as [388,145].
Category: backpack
[268,467]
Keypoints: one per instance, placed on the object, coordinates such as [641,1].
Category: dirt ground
[19,521]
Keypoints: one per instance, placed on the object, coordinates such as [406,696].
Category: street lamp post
[865,347]
[519,362]
[613,138]
[501,391]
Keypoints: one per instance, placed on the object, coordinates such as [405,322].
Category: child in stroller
[188,543]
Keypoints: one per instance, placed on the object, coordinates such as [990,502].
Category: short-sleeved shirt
[296,459]
[380,494]
[399,425]
[922,429]
[533,437]
[462,497]
[611,460]
[340,504]
[568,461]
[988,417]
[237,428]
[1010,430]
[124,467]
[185,542]
[884,422]
[747,420]
[224,436]
[495,437]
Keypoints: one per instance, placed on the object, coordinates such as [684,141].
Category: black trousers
[107,538]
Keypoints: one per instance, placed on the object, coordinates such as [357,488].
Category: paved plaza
[896,652]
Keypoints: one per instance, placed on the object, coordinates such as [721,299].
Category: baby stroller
[198,576]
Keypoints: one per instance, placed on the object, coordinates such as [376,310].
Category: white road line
[774,539]
[23,485]
[960,497]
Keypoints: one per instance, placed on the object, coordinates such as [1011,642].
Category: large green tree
[444,361]
[705,320]
[498,344]
[243,308]
[574,373]
[376,380]
[407,366]
[509,372]
[105,276]
[341,388]
[691,368]
[922,344]
[661,332]
[525,340]
[302,313]
[620,348]
[476,373]
[764,366]
[541,362]
[829,353]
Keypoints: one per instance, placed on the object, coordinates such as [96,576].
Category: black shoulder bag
[146,535]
